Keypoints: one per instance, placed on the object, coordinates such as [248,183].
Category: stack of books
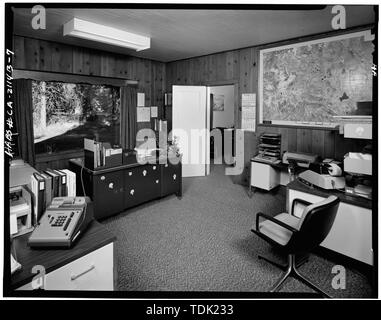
[99,155]
[48,184]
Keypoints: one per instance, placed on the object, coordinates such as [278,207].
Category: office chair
[295,235]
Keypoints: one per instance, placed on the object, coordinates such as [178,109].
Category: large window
[66,113]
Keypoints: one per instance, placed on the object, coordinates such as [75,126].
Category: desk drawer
[93,271]
[171,178]
[141,184]
[108,194]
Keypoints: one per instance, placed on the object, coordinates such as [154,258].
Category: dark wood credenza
[116,189]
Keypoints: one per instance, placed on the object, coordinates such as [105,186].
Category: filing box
[359,166]
[358,130]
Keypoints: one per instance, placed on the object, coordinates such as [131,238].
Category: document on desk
[360,156]
[13,223]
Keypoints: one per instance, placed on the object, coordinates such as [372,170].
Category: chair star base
[291,271]
[299,261]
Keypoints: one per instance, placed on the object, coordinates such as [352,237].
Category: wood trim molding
[220,83]
[48,157]
[298,126]
[317,36]
[71,78]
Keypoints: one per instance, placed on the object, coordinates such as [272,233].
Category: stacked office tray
[269,149]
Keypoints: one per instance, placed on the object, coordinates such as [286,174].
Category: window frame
[68,78]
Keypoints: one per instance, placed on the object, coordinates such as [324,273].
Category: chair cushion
[277,232]
[315,205]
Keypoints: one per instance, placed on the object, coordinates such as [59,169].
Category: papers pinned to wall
[154,112]
[141,98]
[248,100]
[248,111]
[143,114]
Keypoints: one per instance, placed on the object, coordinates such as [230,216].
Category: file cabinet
[108,188]
[171,179]
[264,176]
[142,184]
[114,190]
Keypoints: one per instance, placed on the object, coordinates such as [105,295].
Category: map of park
[317,81]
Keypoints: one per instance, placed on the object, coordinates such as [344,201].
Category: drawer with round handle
[93,271]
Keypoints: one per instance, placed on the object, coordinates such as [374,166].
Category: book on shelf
[62,188]
[38,195]
[70,182]
[55,182]
[100,155]
[48,188]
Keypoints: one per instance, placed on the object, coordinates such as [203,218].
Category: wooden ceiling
[183,33]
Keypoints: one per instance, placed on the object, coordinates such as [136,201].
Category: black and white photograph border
[256,179]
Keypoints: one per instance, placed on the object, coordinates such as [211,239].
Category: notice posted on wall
[153,112]
[248,111]
[141,98]
[143,114]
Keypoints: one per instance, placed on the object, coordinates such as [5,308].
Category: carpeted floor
[203,242]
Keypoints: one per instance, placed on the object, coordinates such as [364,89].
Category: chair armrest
[296,200]
[272,219]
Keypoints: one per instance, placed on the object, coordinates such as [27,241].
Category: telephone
[62,223]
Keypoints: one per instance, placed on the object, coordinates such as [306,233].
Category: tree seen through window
[66,113]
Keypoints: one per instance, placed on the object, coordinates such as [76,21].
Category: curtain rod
[71,78]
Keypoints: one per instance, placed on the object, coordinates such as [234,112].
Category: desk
[91,258]
[351,233]
[116,189]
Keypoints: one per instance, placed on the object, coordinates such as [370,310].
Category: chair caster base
[300,261]
[291,271]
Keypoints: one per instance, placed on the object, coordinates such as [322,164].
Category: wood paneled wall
[41,55]
[235,67]
[242,66]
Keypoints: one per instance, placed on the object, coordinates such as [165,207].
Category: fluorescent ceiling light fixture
[97,32]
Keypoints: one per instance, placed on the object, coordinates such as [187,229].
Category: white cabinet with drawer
[264,176]
[351,232]
[93,271]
